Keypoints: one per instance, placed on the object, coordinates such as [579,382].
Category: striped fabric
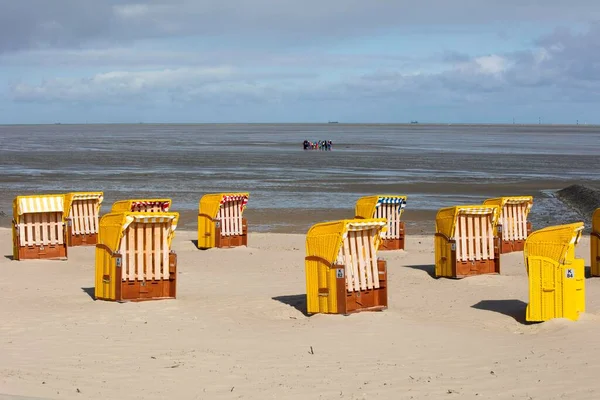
[519,200]
[41,204]
[476,210]
[148,220]
[241,198]
[145,205]
[359,226]
[392,200]
[89,196]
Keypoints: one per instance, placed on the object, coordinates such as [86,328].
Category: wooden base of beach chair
[510,246]
[232,240]
[363,300]
[55,251]
[463,269]
[137,290]
[89,239]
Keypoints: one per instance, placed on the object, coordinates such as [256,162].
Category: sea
[290,188]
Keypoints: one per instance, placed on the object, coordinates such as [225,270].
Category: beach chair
[556,277]
[513,227]
[134,260]
[141,205]
[465,243]
[221,222]
[38,227]
[595,244]
[82,212]
[389,207]
[343,274]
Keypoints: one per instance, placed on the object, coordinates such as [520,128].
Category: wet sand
[291,189]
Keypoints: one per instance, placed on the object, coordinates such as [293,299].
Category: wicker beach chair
[134,260]
[343,273]
[38,227]
[221,222]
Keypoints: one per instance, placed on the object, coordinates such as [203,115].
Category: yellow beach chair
[389,207]
[82,213]
[556,277]
[221,222]
[513,227]
[343,274]
[134,260]
[465,241]
[142,205]
[595,244]
[38,227]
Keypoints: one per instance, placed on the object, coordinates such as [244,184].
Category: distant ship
[414,122]
[332,122]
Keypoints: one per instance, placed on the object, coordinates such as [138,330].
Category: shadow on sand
[513,308]
[298,301]
[10,257]
[90,291]
[428,268]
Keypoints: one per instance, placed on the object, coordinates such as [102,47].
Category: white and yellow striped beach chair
[513,227]
[465,241]
[343,273]
[82,213]
[221,222]
[38,227]
[134,260]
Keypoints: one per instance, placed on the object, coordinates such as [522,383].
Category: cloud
[564,66]
[42,24]
[219,84]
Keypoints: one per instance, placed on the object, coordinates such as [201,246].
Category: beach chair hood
[37,204]
[324,240]
[113,226]
[445,221]
[366,206]
[132,205]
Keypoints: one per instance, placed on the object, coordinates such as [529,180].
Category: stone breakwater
[582,199]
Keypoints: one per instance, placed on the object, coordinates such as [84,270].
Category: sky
[236,61]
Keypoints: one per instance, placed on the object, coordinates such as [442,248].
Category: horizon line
[307,123]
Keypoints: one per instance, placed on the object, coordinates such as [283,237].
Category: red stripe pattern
[242,198]
[147,206]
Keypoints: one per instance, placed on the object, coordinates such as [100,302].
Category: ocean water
[434,165]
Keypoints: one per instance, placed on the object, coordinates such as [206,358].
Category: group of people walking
[318,145]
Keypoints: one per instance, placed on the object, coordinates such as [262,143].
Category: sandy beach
[238,331]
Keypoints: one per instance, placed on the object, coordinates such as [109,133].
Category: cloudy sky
[91,61]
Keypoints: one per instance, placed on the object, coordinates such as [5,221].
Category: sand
[238,331]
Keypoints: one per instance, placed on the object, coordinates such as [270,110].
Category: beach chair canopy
[325,240]
[142,205]
[211,203]
[526,201]
[366,207]
[44,203]
[447,218]
[98,197]
[113,226]
[554,242]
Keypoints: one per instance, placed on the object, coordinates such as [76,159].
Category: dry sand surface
[237,331]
